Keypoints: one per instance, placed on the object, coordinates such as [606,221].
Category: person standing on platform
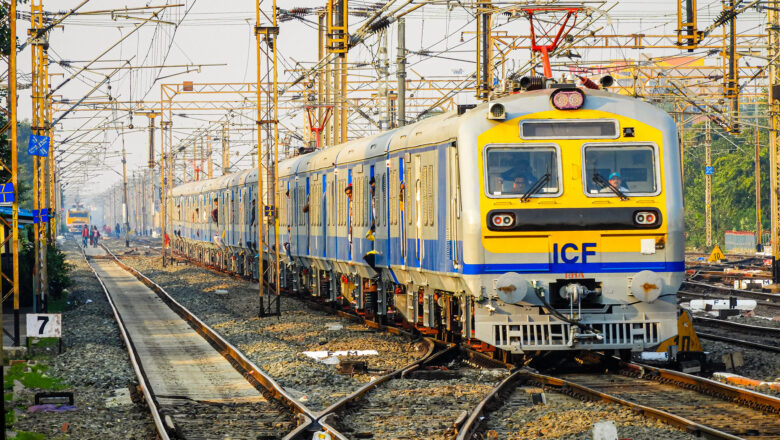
[85,235]
[95,236]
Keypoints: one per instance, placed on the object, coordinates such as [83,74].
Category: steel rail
[134,359]
[739,342]
[664,416]
[231,353]
[325,417]
[471,427]
[772,298]
[319,419]
[745,328]
[739,395]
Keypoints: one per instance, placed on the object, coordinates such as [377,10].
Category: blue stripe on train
[621,267]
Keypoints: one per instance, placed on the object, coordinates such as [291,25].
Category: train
[76,218]
[541,221]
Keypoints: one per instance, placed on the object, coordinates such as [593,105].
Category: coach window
[515,171]
[631,169]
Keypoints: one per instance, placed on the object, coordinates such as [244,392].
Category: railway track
[196,384]
[440,390]
[744,335]
[324,384]
[697,405]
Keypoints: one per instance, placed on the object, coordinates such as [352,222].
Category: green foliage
[57,271]
[35,378]
[733,183]
[24,435]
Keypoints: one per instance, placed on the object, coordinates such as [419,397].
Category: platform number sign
[44,325]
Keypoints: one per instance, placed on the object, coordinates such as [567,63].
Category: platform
[178,362]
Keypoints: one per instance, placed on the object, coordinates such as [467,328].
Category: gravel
[564,417]
[276,344]
[93,364]
[386,411]
[758,364]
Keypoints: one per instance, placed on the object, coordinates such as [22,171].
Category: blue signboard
[7,193]
[38,145]
[41,216]
[709,171]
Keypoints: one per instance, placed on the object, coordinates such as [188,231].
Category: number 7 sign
[44,325]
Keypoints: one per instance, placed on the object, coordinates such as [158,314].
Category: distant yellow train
[76,219]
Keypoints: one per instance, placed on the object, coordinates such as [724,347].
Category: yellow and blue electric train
[544,220]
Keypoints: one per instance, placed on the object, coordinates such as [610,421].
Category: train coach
[545,220]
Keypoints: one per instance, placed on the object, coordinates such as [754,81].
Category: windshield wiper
[536,188]
[598,178]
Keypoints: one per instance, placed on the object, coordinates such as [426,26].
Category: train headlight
[512,287]
[502,220]
[645,218]
[647,286]
[496,111]
[568,99]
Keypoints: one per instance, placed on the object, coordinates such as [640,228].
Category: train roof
[433,130]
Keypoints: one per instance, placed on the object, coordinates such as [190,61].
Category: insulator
[587,82]
[379,24]
[299,11]
[532,82]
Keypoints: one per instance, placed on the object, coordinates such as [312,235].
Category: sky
[220,34]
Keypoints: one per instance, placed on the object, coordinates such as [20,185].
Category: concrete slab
[178,361]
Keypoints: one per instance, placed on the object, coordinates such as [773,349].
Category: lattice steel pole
[268,120]
[39,127]
[51,178]
[12,277]
[708,182]
[773,46]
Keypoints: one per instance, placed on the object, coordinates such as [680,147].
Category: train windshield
[74,214]
[630,169]
[517,171]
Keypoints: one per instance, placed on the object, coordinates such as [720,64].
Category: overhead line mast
[268,121]
[40,127]
[773,50]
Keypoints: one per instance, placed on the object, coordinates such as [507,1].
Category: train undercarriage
[433,313]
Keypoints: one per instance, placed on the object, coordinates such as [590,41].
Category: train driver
[616,181]
[520,177]
[520,185]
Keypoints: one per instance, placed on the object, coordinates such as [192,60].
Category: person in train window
[522,169]
[215,211]
[348,192]
[372,229]
[616,181]
[520,185]
[252,211]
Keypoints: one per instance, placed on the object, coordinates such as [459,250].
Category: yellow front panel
[573,195]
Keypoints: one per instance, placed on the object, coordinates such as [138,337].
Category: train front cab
[565,261]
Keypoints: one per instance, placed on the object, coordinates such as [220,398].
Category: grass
[24,435]
[58,305]
[44,342]
[35,378]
